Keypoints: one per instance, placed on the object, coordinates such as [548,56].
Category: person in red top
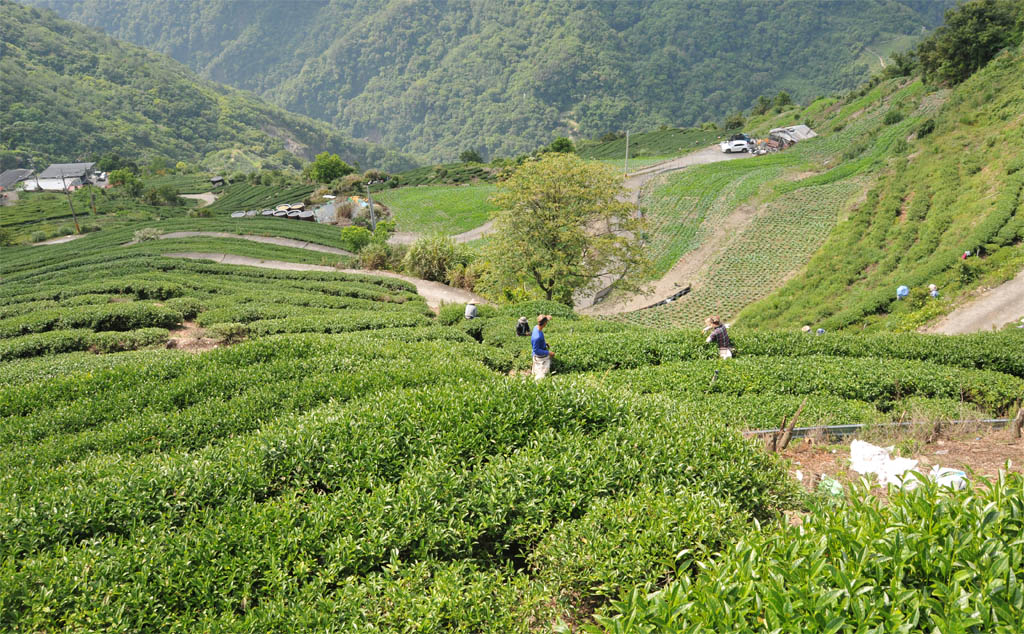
[719,336]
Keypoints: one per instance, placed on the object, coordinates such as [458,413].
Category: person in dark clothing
[523,327]
[719,336]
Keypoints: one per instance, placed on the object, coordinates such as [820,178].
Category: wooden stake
[789,428]
[1018,423]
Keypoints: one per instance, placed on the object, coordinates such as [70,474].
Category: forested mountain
[502,77]
[69,93]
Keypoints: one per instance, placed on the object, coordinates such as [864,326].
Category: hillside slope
[954,185]
[435,78]
[70,92]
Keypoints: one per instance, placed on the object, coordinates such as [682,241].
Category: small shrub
[430,258]
[375,256]
[149,233]
[927,127]
[229,332]
[892,116]
[355,238]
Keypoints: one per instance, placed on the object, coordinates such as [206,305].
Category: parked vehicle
[737,145]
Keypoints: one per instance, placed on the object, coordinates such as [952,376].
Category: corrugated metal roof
[67,170]
[11,177]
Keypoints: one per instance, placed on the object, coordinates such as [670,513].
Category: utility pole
[625,166]
[373,215]
[70,204]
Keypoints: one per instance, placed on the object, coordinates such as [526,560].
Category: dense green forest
[70,93]
[435,78]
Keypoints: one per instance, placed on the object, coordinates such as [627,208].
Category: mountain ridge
[438,78]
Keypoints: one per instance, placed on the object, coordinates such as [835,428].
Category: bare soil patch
[979,451]
[190,338]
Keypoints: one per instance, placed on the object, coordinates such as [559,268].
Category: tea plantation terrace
[348,460]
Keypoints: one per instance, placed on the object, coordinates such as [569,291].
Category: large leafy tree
[326,168]
[974,32]
[563,227]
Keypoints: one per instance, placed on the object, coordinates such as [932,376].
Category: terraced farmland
[356,463]
[443,209]
[780,240]
[244,197]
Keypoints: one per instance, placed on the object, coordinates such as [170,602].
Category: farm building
[81,171]
[52,184]
[10,178]
[792,134]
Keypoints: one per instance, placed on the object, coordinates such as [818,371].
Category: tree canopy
[71,93]
[326,168]
[563,228]
[434,78]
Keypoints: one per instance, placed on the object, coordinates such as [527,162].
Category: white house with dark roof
[81,171]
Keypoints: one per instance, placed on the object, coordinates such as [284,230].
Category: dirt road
[434,292]
[284,242]
[993,308]
[683,271]
[205,199]
[408,237]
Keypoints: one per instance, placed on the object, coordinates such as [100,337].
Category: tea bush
[928,560]
[60,341]
[989,351]
[878,381]
[117,316]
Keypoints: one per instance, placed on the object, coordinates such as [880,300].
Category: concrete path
[408,237]
[206,199]
[993,308]
[434,292]
[60,240]
[284,242]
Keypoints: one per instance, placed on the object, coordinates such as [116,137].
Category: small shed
[217,181]
[793,133]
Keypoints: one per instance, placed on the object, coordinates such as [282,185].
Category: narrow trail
[993,308]
[206,198]
[60,240]
[284,242]
[434,292]
[408,237]
[683,271]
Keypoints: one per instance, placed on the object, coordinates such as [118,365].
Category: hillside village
[763,373]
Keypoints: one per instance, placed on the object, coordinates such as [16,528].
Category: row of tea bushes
[471,476]
[119,316]
[928,560]
[998,351]
[878,381]
[186,401]
[60,341]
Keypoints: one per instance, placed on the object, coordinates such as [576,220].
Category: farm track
[60,240]
[683,270]
[284,242]
[435,293]
[206,199]
[409,237]
[993,308]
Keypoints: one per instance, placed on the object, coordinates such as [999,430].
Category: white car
[738,145]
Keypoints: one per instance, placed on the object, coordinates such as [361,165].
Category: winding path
[682,272]
[206,199]
[435,293]
[284,242]
[993,308]
[408,237]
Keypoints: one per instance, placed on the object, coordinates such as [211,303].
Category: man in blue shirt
[541,352]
